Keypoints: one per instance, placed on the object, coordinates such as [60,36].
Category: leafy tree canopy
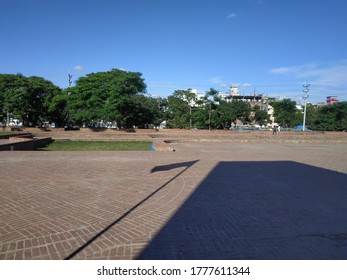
[231,112]
[261,117]
[331,117]
[27,99]
[178,114]
[105,96]
[286,113]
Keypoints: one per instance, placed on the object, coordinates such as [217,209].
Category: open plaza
[219,195]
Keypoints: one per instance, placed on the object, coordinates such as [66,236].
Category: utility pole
[190,116]
[305,91]
[209,116]
[69,81]
[7,118]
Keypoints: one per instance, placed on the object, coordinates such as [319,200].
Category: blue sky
[271,46]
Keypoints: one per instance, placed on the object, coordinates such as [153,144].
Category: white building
[198,97]
[234,90]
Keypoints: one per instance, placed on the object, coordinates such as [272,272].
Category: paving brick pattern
[129,205]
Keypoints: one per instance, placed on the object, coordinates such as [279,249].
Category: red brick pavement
[110,205]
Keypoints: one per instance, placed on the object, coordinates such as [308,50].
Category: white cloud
[168,86]
[332,74]
[79,68]
[282,70]
[335,74]
[246,85]
[325,79]
[232,15]
[216,80]
[293,69]
[241,85]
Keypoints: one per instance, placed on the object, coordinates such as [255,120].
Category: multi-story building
[198,97]
[253,99]
[332,100]
[234,95]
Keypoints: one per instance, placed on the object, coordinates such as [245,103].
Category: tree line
[119,98]
[322,118]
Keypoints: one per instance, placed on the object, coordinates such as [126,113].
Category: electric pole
[69,82]
[305,91]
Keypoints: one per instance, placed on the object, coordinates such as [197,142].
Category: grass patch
[97,146]
[8,132]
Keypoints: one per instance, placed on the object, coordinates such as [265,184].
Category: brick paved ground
[204,201]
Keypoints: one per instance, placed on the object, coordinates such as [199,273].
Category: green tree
[105,96]
[331,117]
[178,113]
[13,89]
[261,117]
[232,112]
[200,118]
[211,101]
[58,109]
[162,108]
[204,113]
[3,109]
[226,113]
[311,114]
[27,99]
[139,110]
[286,113]
[180,109]
[242,111]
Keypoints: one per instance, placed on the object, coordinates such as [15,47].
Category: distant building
[332,100]
[253,99]
[234,90]
[270,112]
[234,95]
[198,96]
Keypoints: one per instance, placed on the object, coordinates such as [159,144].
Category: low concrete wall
[176,135]
[162,146]
[20,138]
[15,135]
[35,130]
[27,145]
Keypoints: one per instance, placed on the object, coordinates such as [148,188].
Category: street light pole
[209,117]
[7,118]
[305,91]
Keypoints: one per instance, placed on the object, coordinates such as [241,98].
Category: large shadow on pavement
[259,210]
[184,167]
